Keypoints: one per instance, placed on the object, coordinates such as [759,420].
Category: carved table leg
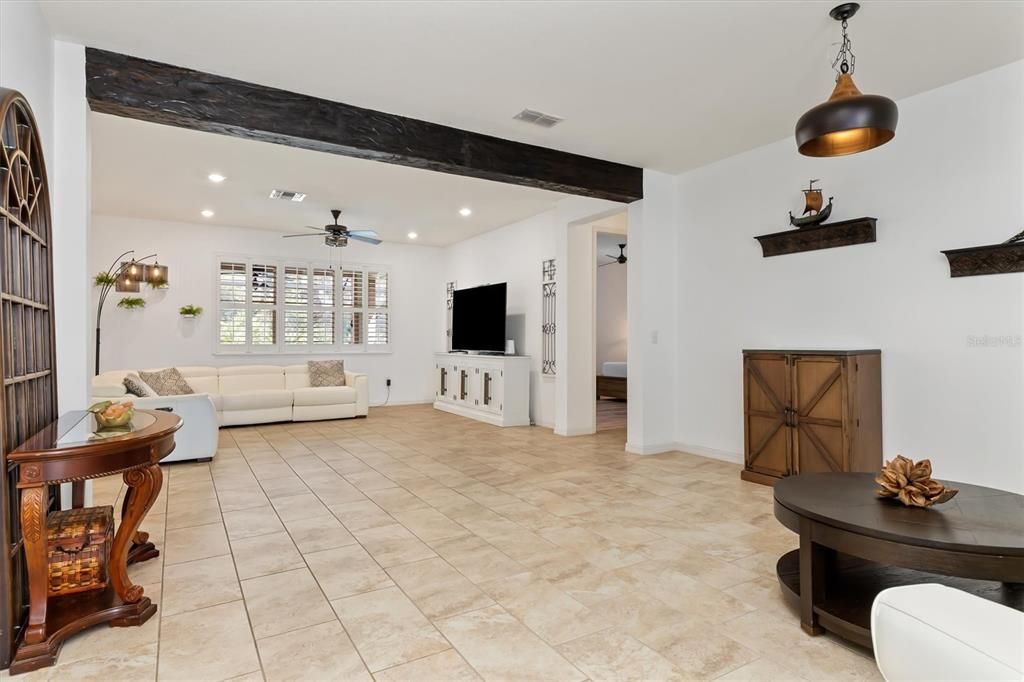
[143,488]
[33,531]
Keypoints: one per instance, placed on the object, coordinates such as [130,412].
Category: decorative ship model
[813,213]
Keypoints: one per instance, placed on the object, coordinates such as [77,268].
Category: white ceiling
[145,170]
[664,85]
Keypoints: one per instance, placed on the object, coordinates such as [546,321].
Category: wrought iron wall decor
[448,301]
[547,327]
[29,398]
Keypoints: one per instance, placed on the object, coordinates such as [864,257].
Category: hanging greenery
[104,279]
[190,310]
[131,303]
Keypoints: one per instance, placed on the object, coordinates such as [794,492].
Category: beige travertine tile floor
[416,545]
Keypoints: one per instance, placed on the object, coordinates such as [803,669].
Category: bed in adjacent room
[611,382]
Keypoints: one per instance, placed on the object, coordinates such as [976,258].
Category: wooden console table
[70,450]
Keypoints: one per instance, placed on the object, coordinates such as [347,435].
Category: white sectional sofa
[243,394]
[933,632]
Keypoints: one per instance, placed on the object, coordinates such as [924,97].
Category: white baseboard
[652,449]
[396,403]
[711,453]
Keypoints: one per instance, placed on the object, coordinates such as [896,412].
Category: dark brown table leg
[143,488]
[33,531]
[813,568]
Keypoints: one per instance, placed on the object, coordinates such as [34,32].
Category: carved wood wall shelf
[828,236]
[994,259]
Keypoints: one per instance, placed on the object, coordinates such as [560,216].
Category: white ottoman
[933,632]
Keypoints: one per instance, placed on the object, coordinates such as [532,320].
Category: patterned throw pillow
[326,372]
[167,382]
[136,387]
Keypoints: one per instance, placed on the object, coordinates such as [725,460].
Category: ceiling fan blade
[361,238]
[364,233]
[608,255]
[288,236]
[310,227]
[614,262]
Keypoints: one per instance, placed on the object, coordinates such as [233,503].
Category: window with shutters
[268,307]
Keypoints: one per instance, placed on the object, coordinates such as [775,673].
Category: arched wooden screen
[29,399]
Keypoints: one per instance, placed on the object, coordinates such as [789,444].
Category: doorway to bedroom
[612,251]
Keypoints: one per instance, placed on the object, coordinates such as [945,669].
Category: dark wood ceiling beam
[171,95]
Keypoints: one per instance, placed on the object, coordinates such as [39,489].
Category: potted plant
[131,303]
[190,311]
[104,279]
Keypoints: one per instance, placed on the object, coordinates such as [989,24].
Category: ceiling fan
[338,235]
[618,260]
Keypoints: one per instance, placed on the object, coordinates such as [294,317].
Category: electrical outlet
[387,382]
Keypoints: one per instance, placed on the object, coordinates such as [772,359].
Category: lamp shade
[849,122]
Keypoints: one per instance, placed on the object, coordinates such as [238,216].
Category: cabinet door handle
[462,384]
[444,381]
[487,388]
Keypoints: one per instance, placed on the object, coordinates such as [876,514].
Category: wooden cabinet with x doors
[811,411]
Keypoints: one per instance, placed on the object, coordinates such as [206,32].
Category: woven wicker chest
[78,548]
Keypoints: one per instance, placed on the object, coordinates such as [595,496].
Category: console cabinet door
[491,389]
[765,399]
[820,401]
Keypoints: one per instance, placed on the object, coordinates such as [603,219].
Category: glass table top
[82,428]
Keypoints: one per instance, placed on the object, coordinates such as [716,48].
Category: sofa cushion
[203,384]
[324,395]
[250,378]
[134,385]
[256,400]
[109,390]
[326,373]
[166,382]
[296,376]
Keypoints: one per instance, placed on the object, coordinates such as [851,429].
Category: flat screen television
[478,318]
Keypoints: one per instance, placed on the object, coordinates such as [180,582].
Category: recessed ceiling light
[216,177]
[413,235]
[465,212]
[207,213]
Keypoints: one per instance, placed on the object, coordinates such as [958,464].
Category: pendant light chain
[845,60]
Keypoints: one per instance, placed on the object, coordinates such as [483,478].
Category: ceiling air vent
[538,118]
[286,195]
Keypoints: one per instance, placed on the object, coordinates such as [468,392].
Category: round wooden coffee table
[854,544]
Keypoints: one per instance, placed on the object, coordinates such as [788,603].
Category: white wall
[511,254]
[158,336]
[951,178]
[51,75]
[611,314]
[71,200]
[514,254]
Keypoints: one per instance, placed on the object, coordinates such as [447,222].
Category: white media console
[489,388]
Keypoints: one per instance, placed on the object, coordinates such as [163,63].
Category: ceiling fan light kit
[849,122]
[337,235]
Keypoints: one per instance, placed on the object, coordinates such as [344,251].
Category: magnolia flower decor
[912,483]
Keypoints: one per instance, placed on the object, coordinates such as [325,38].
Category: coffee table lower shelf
[852,585]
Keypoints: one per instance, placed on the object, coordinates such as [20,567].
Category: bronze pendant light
[849,122]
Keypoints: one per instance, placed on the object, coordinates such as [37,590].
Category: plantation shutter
[231,294]
[352,304]
[263,297]
[377,294]
[296,306]
[322,310]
